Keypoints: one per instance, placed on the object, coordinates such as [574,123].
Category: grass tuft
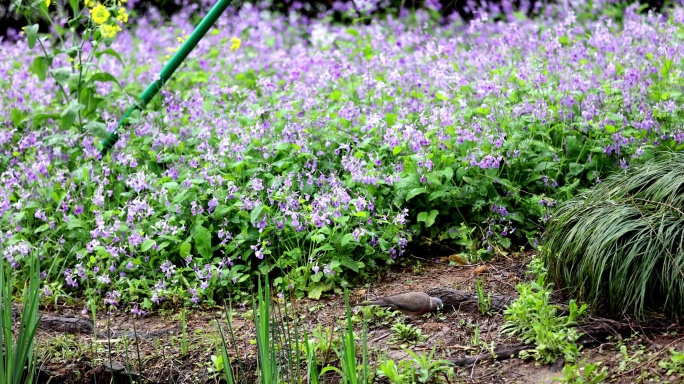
[619,246]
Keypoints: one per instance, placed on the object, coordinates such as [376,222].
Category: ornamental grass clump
[620,245]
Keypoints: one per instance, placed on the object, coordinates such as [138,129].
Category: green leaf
[254,215]
[436,194]
[346,239]
[17,116]
[448,172]
[544,165]
[97,129]
[185,249]
[61,75]
[74,6]
[564,40]
[428,218]
[433,178]
[415,192]
[335,95]
[666,68]
[390,118]
[31,34]
[104,77]
[74,223]
[353,32]
[221,211]
[40,67]
[39,118]
[110,52]
[575,169]
[397,150]
[351,264]
[69,114]
[317,290]
[42,228]
[202,238]
[146,245]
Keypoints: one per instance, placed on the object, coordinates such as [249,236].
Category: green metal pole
[169,69]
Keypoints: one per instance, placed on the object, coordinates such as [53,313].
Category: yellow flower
[235,43]
[47,3]
[109,30]
[122,16]
[100,14]
[89,3]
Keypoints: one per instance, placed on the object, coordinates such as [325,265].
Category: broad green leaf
[390,119]
[448,172]
[346,239]
[436,194]
[351,264]
[415,192]
[69,114]
[171,185]
[317,290]
[202,238]
[428,218]
[110,52]
[439,95]
[17,116]
[104,77]
[146,245]
[61,75]
[254,215]
[31,34]
[40,67]
[97,129]
[74,6]
[353,32]
[185,249]
[74,223]
[433,178]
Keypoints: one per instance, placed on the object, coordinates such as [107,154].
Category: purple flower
[258,251]
[136,311]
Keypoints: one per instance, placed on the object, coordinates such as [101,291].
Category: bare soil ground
[153,344]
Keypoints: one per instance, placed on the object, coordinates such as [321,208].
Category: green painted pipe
[169,69]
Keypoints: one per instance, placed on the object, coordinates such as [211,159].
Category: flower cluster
[108,16]
[324,158]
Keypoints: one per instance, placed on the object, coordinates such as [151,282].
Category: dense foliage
[312,148]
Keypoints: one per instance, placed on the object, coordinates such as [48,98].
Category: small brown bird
[411,304]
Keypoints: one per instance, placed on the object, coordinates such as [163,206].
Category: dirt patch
[154,350]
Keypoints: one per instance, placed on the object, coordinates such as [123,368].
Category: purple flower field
[317,149]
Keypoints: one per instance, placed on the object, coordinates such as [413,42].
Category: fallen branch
[65,324]
[501,353]
[595,330]
[82,325]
